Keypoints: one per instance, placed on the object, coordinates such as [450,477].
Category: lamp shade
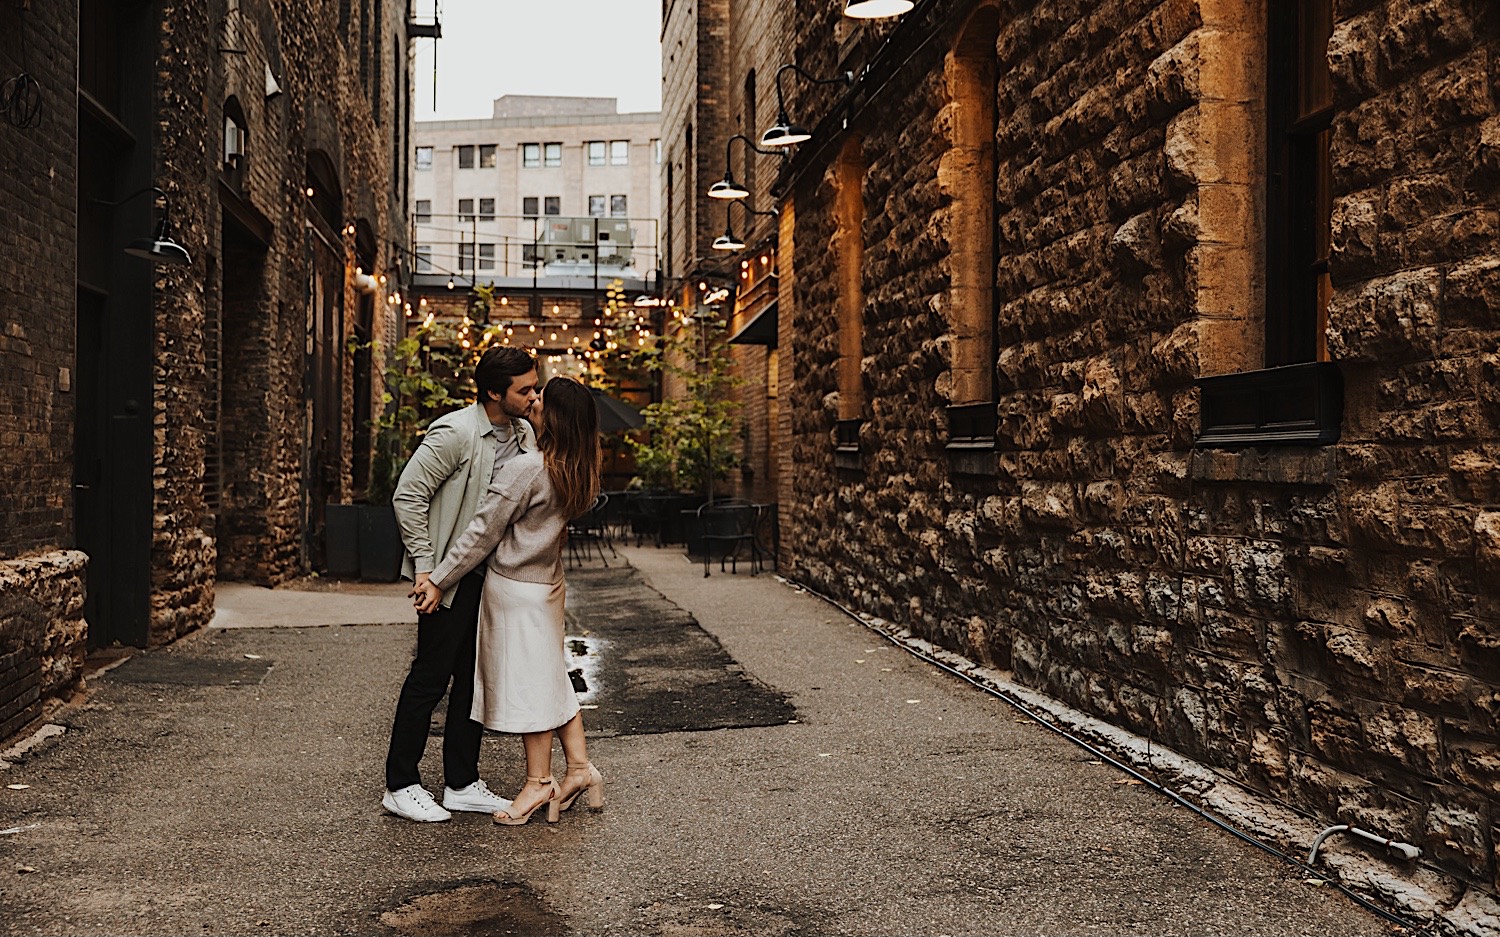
[728,242]
[784,133]
[727,188]
[876,9]
[159,248]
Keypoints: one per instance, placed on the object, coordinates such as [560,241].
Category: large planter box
[380,547]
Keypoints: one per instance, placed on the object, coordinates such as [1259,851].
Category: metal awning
[760,330]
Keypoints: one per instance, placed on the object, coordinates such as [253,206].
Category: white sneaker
[414,803]
[476,798]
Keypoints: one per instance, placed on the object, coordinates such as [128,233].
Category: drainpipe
[1404,850]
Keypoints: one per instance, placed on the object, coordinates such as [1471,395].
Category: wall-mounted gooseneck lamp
[159,247]
[876,9]
[727,187]
[785,133]
[728,241]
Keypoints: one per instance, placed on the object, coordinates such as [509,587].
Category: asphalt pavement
[772,768]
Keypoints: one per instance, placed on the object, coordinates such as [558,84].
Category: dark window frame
[1297,398]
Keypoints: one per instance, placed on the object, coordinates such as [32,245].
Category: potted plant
[687,446]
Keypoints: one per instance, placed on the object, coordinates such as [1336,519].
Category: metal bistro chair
[767,540]
[730,523]
[586,532]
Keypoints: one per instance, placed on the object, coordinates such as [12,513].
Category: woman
[521,682]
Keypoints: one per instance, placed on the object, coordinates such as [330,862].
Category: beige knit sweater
[518,528]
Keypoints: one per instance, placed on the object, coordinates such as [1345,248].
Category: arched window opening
[750,127]
[849,260]
[323,190]
[966,174]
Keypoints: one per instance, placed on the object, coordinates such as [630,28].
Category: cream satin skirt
[520,670]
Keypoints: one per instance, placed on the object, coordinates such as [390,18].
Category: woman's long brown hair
[569,440]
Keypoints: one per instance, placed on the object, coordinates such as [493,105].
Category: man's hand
[427,597]
[420,581]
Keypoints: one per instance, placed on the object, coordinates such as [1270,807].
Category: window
[424,158]
[486,257]
[970,223]
[465,209]
[528,206]
[466,256]
[619,152]
[656,151]
[424,211]
[596,206]
[465,157]
[849,255]
[596,152]
[531,155]
[553,153]
[424,260]
[487,158]
[552,205]
[236,143]
[1299,203]
[486,209]
[617,206]
[1293,395]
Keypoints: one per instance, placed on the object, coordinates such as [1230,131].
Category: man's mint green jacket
[441,486]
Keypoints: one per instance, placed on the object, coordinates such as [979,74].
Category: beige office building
[568,180]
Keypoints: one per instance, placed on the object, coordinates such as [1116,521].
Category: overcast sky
[490,48]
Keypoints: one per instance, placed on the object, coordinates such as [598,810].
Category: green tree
[688,443]
[426,374]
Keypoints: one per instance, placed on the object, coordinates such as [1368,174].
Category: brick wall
[41,580]
[37,259]
[1320,624]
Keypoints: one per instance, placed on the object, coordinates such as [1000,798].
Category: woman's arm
[507,499]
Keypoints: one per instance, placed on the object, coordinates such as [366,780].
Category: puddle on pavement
[585,659]
[475,909]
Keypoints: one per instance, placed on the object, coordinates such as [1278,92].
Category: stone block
[1457,830]
[1487,544]
[1408,738]
[1392,317]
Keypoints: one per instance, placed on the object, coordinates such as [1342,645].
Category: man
[438,494]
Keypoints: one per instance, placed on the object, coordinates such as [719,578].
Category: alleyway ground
[899,801]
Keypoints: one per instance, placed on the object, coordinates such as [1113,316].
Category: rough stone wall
[1318,623]
[264,295]
[41,581]
[182,568]
[42,633]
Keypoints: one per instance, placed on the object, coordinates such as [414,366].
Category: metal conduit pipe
[1404,850]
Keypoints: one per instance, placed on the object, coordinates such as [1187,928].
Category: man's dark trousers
[445,652]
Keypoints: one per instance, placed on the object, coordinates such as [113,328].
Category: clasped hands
[424,595]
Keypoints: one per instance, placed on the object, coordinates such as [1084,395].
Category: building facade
[1145,350]
[494,196]
[174,423]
